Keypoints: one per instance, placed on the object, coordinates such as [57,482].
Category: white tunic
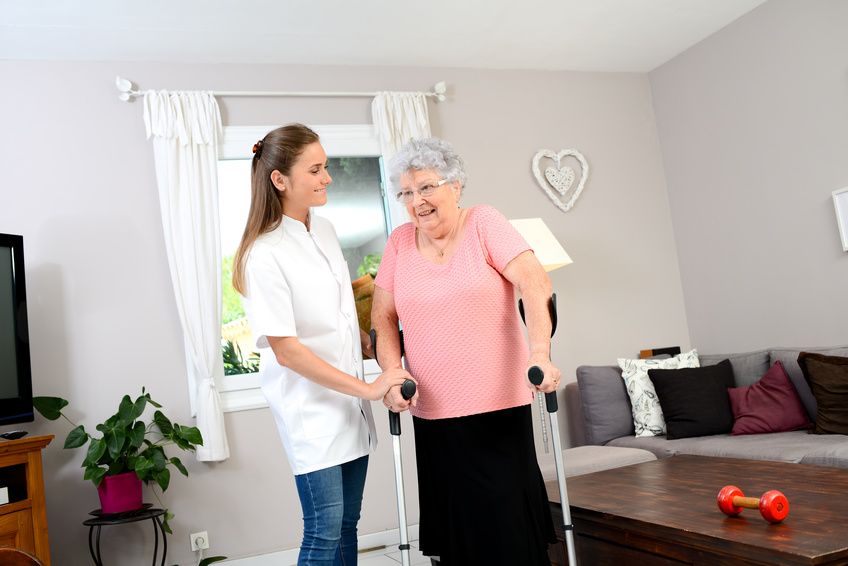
[298,285]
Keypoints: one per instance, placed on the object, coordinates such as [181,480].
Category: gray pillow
[748,367]
[789,358]
[606,407]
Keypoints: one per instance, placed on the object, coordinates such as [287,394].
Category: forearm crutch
[407,390]
[536,376]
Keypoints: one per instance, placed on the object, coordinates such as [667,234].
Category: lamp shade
[546,247]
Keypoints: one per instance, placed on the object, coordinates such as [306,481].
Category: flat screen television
[15,367]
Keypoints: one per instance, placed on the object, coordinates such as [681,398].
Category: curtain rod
[127,92]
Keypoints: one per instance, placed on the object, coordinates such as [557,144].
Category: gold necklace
[441,251]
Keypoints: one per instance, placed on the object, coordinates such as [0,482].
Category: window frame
[242,392]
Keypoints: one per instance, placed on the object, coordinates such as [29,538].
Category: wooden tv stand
[23,521]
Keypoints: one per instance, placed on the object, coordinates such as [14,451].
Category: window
[357,206]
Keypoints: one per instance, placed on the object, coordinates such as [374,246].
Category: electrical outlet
[199,541]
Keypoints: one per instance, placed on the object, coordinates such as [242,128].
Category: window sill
[242,393]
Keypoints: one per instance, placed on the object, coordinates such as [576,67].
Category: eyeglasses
[425,191]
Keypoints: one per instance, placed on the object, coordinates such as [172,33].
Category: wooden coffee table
[665,513]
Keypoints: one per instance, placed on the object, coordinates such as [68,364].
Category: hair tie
[257,148]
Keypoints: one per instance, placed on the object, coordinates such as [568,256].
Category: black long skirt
[482,497]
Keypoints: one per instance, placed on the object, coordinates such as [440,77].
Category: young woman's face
[306,183]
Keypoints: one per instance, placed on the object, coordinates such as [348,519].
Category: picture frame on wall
[840,202]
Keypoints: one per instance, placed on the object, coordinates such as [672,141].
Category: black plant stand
[146,512]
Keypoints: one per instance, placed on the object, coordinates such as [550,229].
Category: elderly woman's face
[439,208]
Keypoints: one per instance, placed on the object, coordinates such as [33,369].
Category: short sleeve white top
[298,285]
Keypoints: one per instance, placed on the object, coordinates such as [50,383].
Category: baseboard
[387,539]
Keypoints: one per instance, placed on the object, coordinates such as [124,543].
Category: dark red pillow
[769,405]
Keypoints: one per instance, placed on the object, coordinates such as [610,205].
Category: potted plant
[370,264]
[128,447]
[210,560]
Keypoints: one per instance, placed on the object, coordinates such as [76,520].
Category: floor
[379,553]
[390,556]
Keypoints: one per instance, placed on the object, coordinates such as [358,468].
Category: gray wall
[77,180]
[754,130]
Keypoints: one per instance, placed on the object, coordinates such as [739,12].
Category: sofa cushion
[770,405]
[789,358]
[828,379]
[836,455]
[587,459]
[659,445]
[694,401]
[606,406]
[647,413]
[776,447]
[748,367]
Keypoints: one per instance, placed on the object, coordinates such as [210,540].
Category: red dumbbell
[773,505]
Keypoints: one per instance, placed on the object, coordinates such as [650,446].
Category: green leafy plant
[128,444]
[234,362]
[369,265]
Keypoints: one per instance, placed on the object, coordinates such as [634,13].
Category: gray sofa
[599,414]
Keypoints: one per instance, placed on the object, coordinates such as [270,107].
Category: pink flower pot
[120,493]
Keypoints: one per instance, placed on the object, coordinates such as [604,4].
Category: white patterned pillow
[647,413]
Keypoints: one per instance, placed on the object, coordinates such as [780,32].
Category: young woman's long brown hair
[278,150]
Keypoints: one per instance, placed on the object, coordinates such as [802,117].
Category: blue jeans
[332,500]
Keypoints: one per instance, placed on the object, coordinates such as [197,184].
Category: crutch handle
[407,390]
[536,377]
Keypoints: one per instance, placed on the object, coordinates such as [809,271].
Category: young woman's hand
[385,381]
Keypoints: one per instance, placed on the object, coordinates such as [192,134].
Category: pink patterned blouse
[462,334]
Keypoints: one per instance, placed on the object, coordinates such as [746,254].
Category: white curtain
[399,117]
[185,127]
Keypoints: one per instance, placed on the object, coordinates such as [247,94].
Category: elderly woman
[448,278]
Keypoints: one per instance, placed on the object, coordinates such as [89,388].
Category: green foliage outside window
[233,309]
[234,362]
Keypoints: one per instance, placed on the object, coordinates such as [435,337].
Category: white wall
[77,180]
[754,130]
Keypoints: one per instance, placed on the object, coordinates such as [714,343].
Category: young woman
[298,297]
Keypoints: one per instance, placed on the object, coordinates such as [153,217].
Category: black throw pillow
[694,401]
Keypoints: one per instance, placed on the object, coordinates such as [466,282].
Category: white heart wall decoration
[559,178]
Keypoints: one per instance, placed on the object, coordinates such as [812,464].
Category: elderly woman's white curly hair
[431,154]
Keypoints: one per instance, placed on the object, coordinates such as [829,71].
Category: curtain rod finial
[439,89]
[125,87]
